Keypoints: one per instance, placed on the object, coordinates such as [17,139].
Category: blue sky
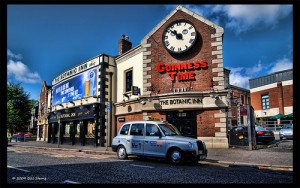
[45,40]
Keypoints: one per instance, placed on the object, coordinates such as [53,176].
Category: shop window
[265,101]
[128,79]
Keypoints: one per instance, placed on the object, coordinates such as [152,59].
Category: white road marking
[71,182]
[142,166]
[18,168]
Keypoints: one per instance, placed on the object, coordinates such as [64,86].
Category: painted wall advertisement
[78,87]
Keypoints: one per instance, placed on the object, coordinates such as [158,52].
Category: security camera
[143,102]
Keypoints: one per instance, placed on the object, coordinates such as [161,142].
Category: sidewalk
[261,158]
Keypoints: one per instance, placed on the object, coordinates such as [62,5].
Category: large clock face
[179,36]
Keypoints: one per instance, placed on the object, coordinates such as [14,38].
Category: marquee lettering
[181,101]
[178,70]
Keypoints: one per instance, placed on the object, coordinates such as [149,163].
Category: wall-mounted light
[61,105]
[126,95]
[72,102]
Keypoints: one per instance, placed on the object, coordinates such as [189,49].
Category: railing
[273,125]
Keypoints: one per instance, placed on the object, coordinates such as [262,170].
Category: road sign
[108,107]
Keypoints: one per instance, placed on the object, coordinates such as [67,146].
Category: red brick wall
[206,123]
[159,115]
[288,95]
[131,117]
[43,99]
[274,97]
[201,50]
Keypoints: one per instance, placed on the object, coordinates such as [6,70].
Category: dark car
[263,135]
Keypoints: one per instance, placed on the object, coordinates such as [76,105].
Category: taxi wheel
[122,154]
[176,156]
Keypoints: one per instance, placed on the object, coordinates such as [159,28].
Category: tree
[18,108]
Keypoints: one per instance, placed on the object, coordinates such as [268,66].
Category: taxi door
[136,138]
[154,145]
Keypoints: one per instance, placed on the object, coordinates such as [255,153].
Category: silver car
[157,139]
[286,131]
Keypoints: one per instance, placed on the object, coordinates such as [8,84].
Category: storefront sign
[181,101]
[182,75]
[76,70]
[121,119]
[77,114]
[78,87]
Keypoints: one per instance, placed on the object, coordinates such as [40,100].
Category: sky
[43,41]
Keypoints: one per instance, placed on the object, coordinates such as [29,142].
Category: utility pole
[250,124]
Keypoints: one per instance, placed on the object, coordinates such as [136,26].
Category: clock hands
[178,35]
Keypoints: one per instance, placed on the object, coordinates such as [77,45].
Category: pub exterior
[81,103]
[176,74]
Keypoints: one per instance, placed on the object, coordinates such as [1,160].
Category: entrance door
[185,122]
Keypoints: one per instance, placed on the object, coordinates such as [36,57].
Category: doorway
[185,122]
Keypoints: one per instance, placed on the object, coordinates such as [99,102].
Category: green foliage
[18,108]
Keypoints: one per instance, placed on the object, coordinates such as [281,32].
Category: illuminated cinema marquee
[182,75]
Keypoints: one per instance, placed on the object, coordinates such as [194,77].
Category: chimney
[124,44]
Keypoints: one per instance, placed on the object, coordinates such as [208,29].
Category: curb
[67,149]
[258,166]
[206,161]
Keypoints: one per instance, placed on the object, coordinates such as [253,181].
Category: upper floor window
[265,101]
[128,79]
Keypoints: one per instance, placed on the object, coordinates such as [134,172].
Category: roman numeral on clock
[167,43]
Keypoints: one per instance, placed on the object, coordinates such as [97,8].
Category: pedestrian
[9,137]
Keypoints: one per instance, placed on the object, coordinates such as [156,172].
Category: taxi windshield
[169,129]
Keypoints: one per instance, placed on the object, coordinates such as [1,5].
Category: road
[36,166]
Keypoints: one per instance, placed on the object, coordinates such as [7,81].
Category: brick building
[272,94]
[44,104]
[176,74]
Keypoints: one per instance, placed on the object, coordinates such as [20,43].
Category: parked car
[157,139]
[286,132]
[28,134]
[263,135]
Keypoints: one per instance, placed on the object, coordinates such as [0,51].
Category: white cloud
[281,64]
[12,55]
[242,18]
[21,72]
[254,70]
[237,79]
[246,17]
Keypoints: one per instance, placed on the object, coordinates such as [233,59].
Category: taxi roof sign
[149,118]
